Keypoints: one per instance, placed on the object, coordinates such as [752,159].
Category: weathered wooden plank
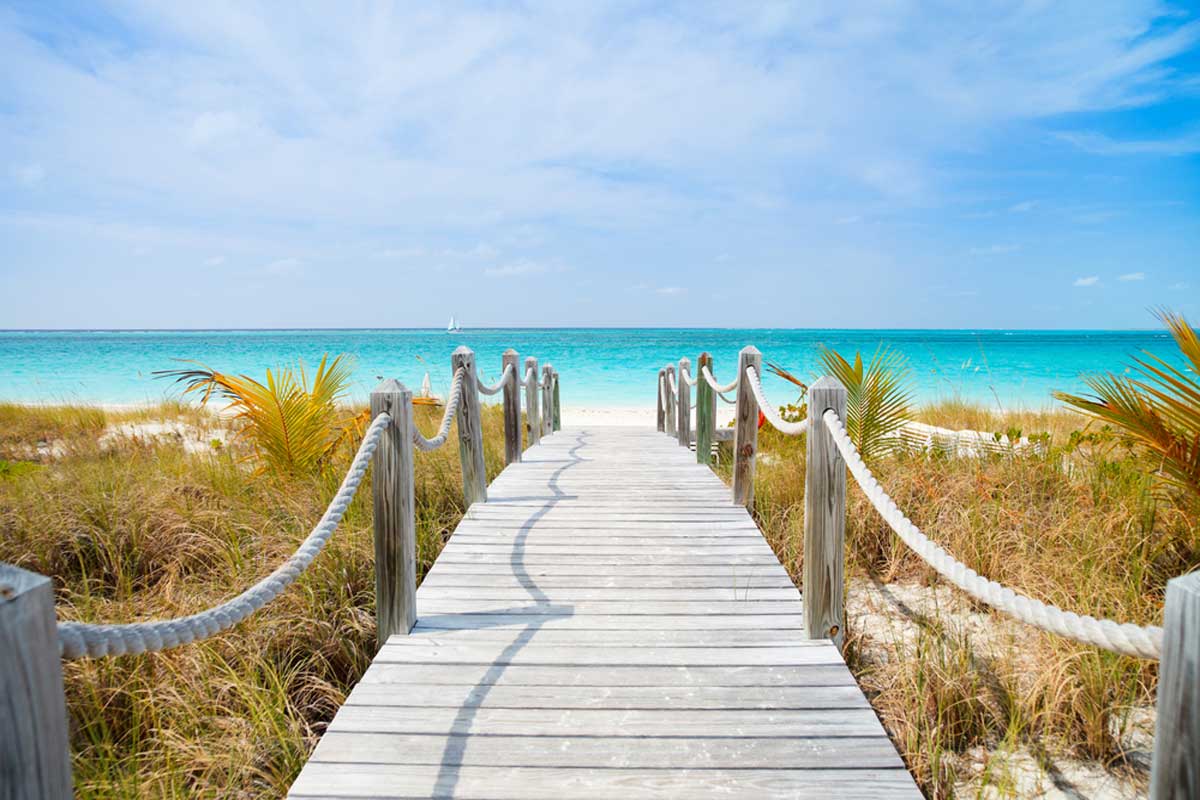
[608,722]
[394,513]
[648,698]
[35,756]
[532,414]
[513,444]
[824,516]
[369,781]
[470,428]
[713,752]
[608,624]
[1175,772]
[593,677]
[745,444]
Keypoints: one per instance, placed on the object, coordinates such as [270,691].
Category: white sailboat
[453,327]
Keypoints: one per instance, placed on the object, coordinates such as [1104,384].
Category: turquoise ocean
[602,367]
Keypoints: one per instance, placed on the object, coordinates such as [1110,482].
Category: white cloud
[214,261]
[671,290]
[1100,144]
[518,269]
[1180,286]
[1133,276]
[1022,207]
[994,249]
[1090,280]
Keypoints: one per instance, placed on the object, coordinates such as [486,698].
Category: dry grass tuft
[139,528]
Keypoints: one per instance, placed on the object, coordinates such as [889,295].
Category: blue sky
[893,164]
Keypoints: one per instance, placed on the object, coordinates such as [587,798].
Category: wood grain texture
[469,421]
[683,409]
[706,411]
[661,408]
[607,625]
[513,444]
[547,400]
[556,399]
[394,513]
[671,404]
[35,757]
[745,438]
[824,517]
[1175,772]
[532,413]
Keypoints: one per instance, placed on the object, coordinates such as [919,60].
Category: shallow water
[599,367]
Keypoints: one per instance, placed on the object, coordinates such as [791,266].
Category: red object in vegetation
[762,418]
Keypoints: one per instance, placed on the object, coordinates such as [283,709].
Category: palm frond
[1158,407]
[291,426]
[878,397]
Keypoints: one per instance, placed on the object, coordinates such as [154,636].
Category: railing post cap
[389,386]
[530,359]
[685,362]
[463,350]
[17,581]
[705,356]
[827,382]
[750,350]
[510,352]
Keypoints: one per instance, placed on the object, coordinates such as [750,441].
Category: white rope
[769,411]
[711,381]
[671,382]
[687,377]
[529,376]
[78,639]
[1124,638]
[498,385]
[452,401]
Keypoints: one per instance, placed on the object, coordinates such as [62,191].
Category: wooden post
[557,405]
[662,401]
[547,400]
[1175,770]
[671,404]
[35,754]
[685,404]
[706,411]
[531,402]
[395,522]
[745,438]
[470,428]
[512,408]
[824,518]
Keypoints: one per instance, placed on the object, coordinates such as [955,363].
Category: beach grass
[1077,523]
[134,527]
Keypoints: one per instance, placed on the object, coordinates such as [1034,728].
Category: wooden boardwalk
[607,625]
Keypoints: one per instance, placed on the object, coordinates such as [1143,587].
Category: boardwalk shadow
[456,742]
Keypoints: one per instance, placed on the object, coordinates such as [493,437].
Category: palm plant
[1159,408]
[878,397]
[878,402]
[291,426]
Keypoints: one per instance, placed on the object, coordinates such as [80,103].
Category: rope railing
[769,411]
[79,639]
[496,387]
[674,386]
[452,402]
[716,387]
[687,376]
[1125,638]
[35,641]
